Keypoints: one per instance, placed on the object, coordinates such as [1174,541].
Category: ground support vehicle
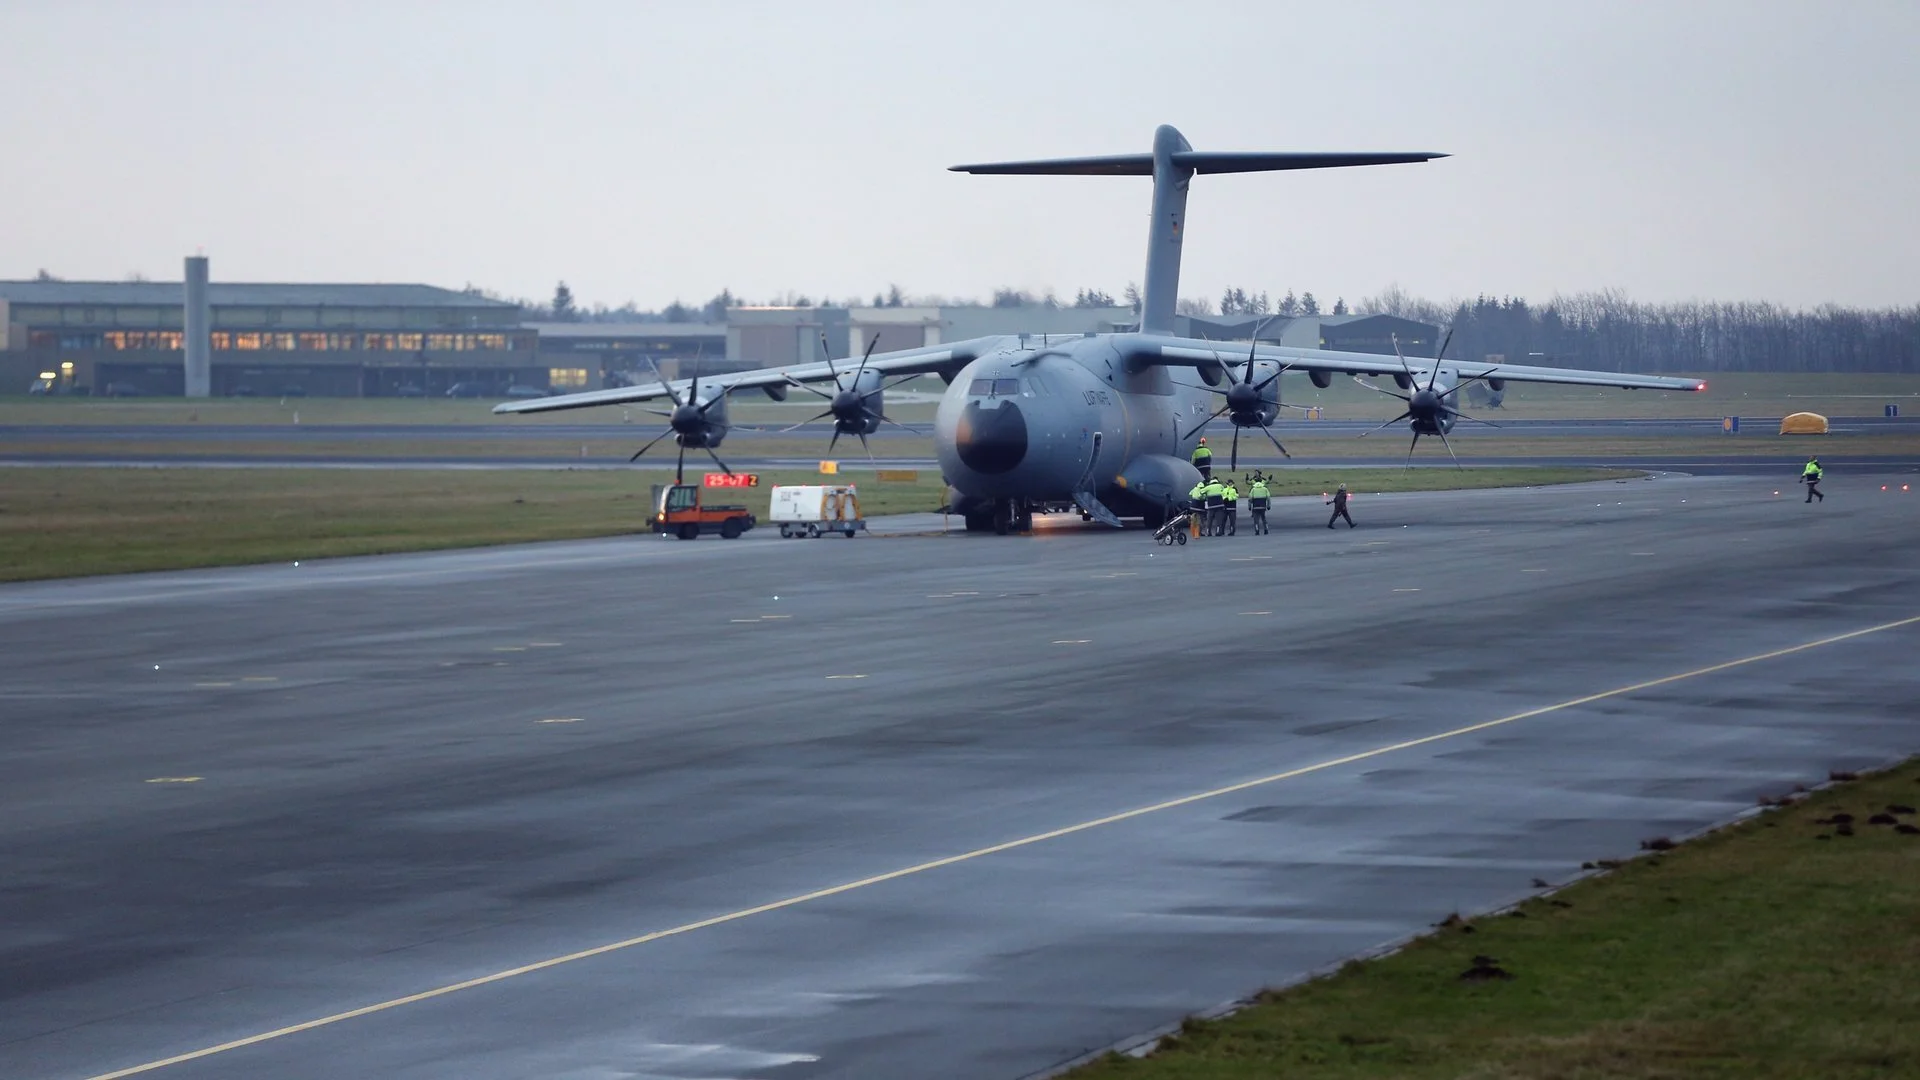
[811,509]
[680,512]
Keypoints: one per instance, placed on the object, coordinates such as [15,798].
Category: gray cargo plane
[1096,423]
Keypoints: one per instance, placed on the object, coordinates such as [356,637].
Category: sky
[649,152]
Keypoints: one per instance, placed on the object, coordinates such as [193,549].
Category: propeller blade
[836,438]
[693,392]
[904,378]
[862,370]
[1471,378]
[808,387]
[1458,415]
[828,355]
[649,446]
[895,423]
[1208,389]
[1386,425]
[866,447]
[717,461]
[717,398]
[1450,453]
[1203,423]
[658,412]
[1411,381]
[663,381]
[1436,359]
[1233,456]
[1416,442]
[1283,370]
[807,421]
[680,466]
[1276,443]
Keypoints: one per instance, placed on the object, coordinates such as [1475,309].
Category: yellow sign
[829,468]
[904,476]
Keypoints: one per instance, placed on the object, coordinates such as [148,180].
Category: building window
[571,378]
[222,340]
[312,342]
[248,342]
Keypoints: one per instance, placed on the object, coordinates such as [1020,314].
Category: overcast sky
[648,152]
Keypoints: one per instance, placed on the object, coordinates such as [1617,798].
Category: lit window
[570,377]
[246,342]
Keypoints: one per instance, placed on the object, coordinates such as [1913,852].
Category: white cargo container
[811,509]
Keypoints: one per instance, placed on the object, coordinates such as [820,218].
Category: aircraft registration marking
[980,853]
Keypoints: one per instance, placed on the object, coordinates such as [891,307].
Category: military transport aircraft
[1096,423]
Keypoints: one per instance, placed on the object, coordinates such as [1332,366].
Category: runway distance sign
[735,480]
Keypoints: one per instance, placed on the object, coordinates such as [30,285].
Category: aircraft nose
[993,440]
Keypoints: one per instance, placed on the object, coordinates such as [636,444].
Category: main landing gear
[1005,516]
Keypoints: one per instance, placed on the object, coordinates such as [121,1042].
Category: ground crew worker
[1258,496]
[1810,476]
[1197,507]
[1232,508]
[1339,504]
[1203,459]
[1216,493]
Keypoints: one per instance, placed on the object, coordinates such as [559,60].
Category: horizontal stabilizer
[1199,161]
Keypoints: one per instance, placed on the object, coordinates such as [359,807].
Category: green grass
[65,522]
[1773,948]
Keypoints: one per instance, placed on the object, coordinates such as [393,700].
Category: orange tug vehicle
[682,512]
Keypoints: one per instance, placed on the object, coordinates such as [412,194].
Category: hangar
[129,337]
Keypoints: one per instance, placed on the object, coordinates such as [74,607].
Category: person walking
[1339,504]
[1203,459]
[1810,476]
[1216,505]
[1258,497]
[1232,508]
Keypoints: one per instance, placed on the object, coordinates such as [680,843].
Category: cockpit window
[1033,386]
[994,387]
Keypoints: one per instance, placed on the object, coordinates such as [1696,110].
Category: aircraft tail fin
[1172,164]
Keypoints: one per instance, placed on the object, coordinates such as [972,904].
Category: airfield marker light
[1883,487]
[1903,487]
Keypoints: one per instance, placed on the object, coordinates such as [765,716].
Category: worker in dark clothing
[1257,501]
[1203,459]
[1810,476]
[1232,508]
[1216,506]
[1339,504]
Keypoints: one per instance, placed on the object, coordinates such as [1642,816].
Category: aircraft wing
[1197,352]
[904,362]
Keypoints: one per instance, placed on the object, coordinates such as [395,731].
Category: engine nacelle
[1496,385]
[1321,379]
[776,391]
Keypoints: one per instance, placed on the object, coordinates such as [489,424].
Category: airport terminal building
[266,339]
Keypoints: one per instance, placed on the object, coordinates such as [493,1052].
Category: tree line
[1611,332]
[1604,330]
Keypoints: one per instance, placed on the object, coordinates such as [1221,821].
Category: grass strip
[68,522]
[1787,945]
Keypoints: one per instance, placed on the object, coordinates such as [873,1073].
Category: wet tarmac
[903,805]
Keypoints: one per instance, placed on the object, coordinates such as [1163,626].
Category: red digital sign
[735,480]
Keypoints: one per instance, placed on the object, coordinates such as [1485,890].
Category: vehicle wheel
[1181,537]
[689,532]
[849,534]
[730,529]
[786,533]
[813,532]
